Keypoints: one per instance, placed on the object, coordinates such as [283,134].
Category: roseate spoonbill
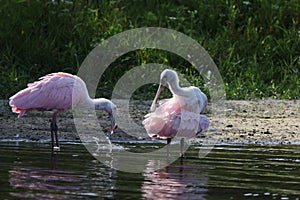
[53,92]
[178,116]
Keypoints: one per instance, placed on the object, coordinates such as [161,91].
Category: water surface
[31,171]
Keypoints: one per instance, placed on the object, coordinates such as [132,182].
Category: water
[31,171]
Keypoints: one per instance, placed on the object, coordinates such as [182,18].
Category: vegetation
[255,44]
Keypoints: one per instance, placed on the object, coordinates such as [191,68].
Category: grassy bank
[255,44]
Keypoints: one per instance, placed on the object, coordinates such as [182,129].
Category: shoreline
[245,122]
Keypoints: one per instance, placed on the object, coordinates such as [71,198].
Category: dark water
[31,171]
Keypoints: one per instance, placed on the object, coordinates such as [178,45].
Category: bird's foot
[56,148]
[114,129]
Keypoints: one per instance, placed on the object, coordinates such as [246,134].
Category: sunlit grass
[255,44]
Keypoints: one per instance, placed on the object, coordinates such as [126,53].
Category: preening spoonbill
[179,116]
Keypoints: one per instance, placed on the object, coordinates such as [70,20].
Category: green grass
[255,44]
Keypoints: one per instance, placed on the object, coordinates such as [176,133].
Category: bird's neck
[102,104]
[90,103]
[176,89]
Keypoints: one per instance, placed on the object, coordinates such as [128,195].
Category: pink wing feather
[171,119]
[51,92]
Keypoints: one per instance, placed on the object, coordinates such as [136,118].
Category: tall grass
[255,44]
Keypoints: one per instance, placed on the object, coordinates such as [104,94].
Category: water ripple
[31,171]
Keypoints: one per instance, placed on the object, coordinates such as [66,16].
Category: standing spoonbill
[178,116]
[53,92]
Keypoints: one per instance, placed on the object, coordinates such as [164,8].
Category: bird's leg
[168,140]
[168,147]
[181,148]
[52,135]
[54,130]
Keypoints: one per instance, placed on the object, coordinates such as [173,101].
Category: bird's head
[110,108]
[168,76]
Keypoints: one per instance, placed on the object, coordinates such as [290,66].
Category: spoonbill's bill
[53,92]
[179,116]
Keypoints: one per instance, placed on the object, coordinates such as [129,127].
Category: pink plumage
[54,92]
[170,119]
[179,116]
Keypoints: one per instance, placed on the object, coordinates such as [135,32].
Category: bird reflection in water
[175,182]
[42,183]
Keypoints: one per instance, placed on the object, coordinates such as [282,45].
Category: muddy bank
[244,122]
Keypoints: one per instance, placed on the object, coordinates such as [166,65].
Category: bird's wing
[191,124]
[161,102]
[201,98]
[51,92]
[163,122]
